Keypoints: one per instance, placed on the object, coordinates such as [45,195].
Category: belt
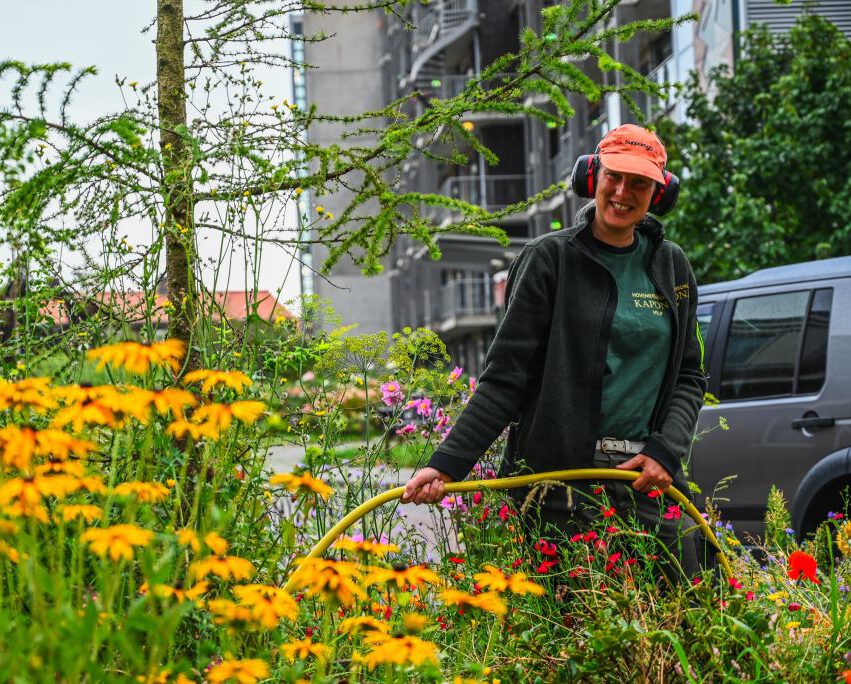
[610,445]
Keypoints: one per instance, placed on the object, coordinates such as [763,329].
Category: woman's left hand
[653,474]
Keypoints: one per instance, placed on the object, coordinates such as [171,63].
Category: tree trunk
[177,175]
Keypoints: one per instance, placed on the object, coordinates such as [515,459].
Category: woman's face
[622,199]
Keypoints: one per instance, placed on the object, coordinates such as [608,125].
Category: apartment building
[452,40]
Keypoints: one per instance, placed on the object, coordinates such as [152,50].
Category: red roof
[135,307]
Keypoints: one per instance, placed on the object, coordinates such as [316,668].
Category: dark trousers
[632,508]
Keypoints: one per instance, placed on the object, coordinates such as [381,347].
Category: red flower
[484,515]
[750,596]
[674,513]
[794,607]
[477,497]
[608,512]
[846,675]
[612,560]
[576,537]
[611,529]
[505,512]
[630,561]
[545,566]
[802,563]
[734,583]
[600,545]
[516,564]
[590,536]
[696,580]
[545,547]
[654,493]
[599,490]
[456,560]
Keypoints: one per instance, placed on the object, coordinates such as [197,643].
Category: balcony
[489,192]
[654,107]
[437,26]
[465,304]
[561,164]
[451,85]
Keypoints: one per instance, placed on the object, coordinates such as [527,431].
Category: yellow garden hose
[519,481]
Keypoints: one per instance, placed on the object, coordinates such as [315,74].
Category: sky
[108,35]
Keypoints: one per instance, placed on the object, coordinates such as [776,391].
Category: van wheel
[833,497]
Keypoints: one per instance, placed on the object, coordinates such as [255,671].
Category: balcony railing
[466,297]
[562,163]
[440,17]
[653,107]
[489,192]
[453,84]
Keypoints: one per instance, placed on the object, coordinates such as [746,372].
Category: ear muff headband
[583,182]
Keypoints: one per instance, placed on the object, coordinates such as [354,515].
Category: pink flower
[455,374]
[423,406]
[674,513]
[454,502]
[406,429]
[546,548]
[391,393]
[505,513]
[472,384]
[477,498]
[750,596]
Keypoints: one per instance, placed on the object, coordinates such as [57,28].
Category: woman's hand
[425,486]
[653,474]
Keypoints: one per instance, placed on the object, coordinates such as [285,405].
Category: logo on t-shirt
[650,300]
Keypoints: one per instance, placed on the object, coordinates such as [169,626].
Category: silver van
[778,355]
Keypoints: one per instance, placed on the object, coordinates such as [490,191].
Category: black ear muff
[583,179]
[666,194]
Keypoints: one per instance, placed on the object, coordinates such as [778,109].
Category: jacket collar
[650,226]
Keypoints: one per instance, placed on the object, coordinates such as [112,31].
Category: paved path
[284,458]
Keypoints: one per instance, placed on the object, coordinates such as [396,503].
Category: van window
[777,345]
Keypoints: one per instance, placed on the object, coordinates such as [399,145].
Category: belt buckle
[610,445]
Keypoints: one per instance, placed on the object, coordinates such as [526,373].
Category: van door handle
[814,422]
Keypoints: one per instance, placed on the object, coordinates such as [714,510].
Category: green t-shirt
[639,344]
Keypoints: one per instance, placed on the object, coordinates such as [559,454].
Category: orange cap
[633,149]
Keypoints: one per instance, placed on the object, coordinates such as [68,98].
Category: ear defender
[583,182]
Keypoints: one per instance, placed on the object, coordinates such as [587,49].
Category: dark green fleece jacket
[544,370]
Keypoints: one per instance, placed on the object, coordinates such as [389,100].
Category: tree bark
[177,175]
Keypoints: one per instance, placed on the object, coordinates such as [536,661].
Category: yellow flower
[304,482]
[144,492]
[34,393]
[268,604]
[236,380]
[11,553]
[363,623]
[226,612]
[401,650]
[226,567]
[403,577]
[138,358]
[88,513]
[243,671]
[414,623]
[87,412]
[488,601]
[365,546]
[302,649]
[843,539]
[221,415]
[495,580]
[172,399]
[19,445]
[187,537]
[332,580]
[217,544]
[117,541]
[794,624]
[177,592]
[179,428]
[8,527]
[29,491]
[73,468]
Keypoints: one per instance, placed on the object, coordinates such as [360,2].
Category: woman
[598,361]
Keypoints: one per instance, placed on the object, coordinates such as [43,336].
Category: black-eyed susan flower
[53,467]
[216,543]
[29,491]
[226,567]
[374,548]
[302,649]
[304,483]
[414,623]
[87,412]
[495,579]
[87,512]
[488,601]
[401,650]
[19,445]
[187,537]
[172,400]
[226,612]
[361,624]
[178,592]
[33,393]
[144,492]
[269,605]
[209,379]
[140,358]
[221,416]
[9,552]
[403,577]
[332,580]
[117,541]
[181,428]
[243,671]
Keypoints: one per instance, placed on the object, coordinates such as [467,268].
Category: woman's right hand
[425,486]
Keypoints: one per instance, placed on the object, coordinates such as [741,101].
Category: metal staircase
[438,25]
